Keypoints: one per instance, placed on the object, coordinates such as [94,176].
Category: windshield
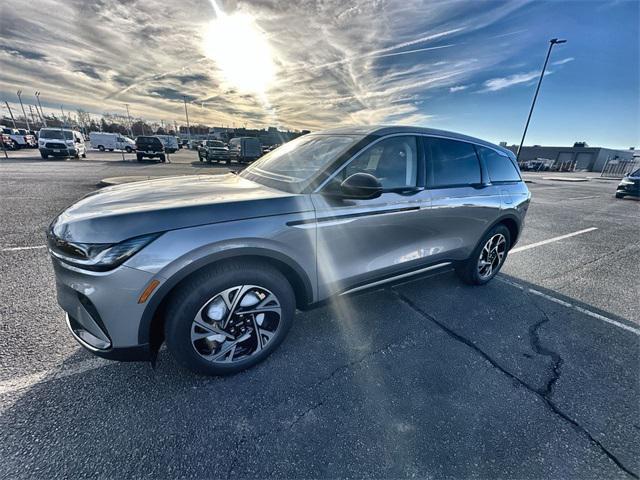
[215,143]
[57,134]
[293,165]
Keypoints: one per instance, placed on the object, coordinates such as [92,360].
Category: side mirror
[361,186]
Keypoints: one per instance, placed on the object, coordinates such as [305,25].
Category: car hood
[117,213]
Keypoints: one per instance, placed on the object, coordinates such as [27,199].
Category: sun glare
[240,50]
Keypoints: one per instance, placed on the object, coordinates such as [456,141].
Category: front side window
[393,161]
[451,163]
[292,166]
[499,167]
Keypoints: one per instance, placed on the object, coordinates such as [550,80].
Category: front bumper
[103,313]
[629,189]
[59,152]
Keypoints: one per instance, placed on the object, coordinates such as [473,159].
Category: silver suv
[217,265]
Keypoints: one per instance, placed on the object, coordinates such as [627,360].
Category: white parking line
[611,321]
[17,249]
[551,240]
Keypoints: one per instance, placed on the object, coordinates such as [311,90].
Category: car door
[359,241]
[463,201]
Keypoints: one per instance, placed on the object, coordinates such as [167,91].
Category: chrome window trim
[403,134]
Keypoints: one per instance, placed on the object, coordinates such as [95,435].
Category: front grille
[55,145]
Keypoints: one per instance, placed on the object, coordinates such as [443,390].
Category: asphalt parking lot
[534,375]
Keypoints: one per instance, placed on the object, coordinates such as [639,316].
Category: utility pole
[186,113]
[552,42]
[64,122]
[11,114]
[44,120]
[26,119]
[129,117]
[33,118]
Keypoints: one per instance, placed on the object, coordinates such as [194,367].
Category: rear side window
[451,163]
[500,168]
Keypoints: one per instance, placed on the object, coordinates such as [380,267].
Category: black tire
[619,195]
[101,148]
[128,149]
[44,155]
[84,155]
[163,158]
[138,157]
[468,269]
[195,292]
[111,149]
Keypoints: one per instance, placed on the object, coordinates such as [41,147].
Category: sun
[240,50]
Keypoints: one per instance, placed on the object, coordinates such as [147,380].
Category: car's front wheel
[229,317]
[487,258]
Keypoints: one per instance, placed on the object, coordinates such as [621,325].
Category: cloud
[335,63]
[458,88]
[563,61]
[495,84]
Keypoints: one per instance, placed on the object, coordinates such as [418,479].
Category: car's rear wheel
[101,148]
[229,318]
[487,258]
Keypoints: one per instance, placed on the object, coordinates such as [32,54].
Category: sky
[466,66]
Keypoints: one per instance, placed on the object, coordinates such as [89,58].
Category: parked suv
[150,147]
[216,265]
[213,151]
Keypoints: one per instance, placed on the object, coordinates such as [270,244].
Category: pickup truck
[213,151]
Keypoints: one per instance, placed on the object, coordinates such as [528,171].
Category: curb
[566,179]
[111,181]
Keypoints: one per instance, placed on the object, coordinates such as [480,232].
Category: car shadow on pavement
[431,378]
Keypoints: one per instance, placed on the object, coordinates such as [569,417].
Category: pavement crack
[536,345]
[544,395]
[290,425]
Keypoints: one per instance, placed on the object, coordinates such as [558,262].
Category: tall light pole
[186,114]
[552,42]
[129,117]
[44,120]
[33,117]
[19,93]
[11,114]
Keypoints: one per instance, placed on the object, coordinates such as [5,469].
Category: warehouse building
[580,157]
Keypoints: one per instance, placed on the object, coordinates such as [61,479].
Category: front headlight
[69,142]
[99,257]
[627,181]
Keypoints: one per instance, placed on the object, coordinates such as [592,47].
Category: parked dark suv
[629,185]
[216,265]
[150,147]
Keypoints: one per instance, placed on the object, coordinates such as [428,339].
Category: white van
[170,143]
[245,149]
[61,142]
[111,141]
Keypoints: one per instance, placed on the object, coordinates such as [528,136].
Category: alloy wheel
[236,324]
[491,256]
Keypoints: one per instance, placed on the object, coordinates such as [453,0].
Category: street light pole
[129,117]
[19,92]
[186,113]
[11,114]
[44,120]
[552,42]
